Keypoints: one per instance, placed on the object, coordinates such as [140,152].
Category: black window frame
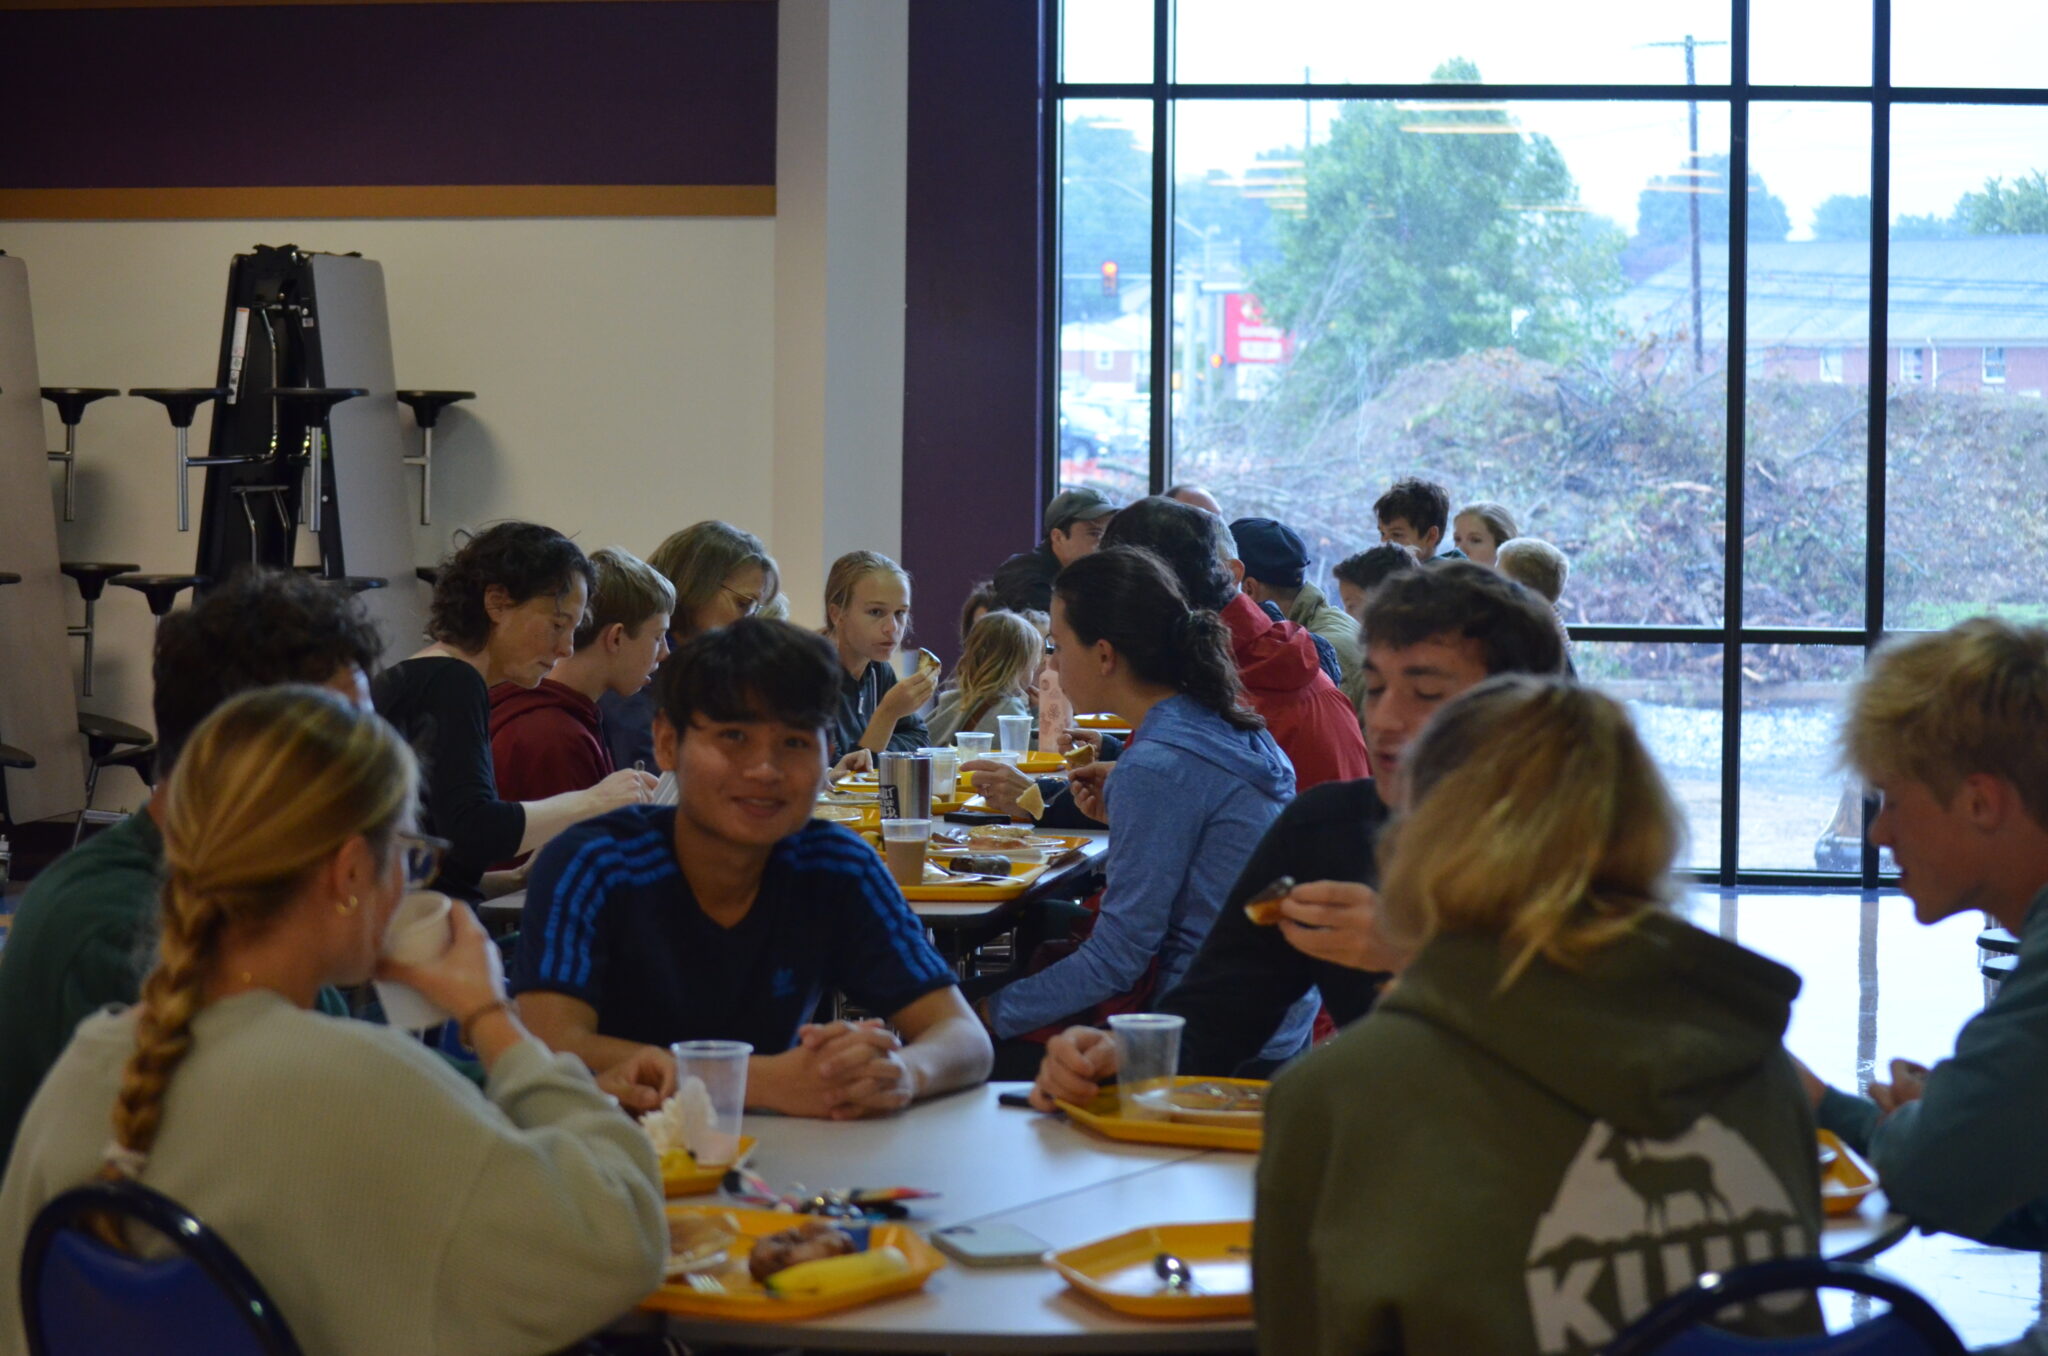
[1880,96]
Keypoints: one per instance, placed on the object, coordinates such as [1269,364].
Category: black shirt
[1241,983]
[858,698]
[1023,583]
[610,920]
[443,709]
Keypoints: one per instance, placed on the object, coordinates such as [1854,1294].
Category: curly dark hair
[1188,540]
[524,559]
[1515,629]
[1424,503]
[264,626]
[1371,567]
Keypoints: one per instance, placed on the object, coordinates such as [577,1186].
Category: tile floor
[1879,985]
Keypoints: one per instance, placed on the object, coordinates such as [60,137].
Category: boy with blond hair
[1950,729]
[548,739]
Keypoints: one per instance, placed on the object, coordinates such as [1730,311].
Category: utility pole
[1692,200]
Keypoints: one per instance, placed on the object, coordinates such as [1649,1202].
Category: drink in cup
[904,845]
[1013,733]
[720,1067]
[945,772]
[1147,1058]
[973,743]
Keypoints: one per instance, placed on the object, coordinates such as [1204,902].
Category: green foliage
[1998,210]
[1424,245]
[1662,216]
[1843,217]
[1105,214]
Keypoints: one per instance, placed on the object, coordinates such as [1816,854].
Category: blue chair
[80,1297]
[1677,1327]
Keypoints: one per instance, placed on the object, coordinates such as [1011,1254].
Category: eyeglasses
[423,853]
[747,603]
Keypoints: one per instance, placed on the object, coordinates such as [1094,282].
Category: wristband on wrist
[466,1028]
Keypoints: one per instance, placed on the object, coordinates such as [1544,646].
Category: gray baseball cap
[1076,506]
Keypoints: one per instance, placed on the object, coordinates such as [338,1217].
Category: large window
[1634,272]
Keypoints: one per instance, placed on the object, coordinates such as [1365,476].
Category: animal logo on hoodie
[1635,1220]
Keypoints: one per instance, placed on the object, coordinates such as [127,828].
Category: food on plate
[967,864]
[1263,908]
[683,1124]
[836,1275]
[1218,1097]
[1080,756]
[695,1240]
[811,1241]
[927,664]
[1032,802]
[838,814]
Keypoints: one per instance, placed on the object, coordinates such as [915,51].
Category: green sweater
[1966,1157]
[1313,612]
[1469,1170]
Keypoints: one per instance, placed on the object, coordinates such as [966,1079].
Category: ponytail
[1126,596]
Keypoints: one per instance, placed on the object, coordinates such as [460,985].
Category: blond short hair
[1534,563]
[1941,707]
[628,593]
[1535,815]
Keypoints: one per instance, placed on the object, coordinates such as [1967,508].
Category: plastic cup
[973,743]
[421,930]
[1007,757]
[905,842]
[1013,733]
[1147,1059]
[945,772]
[721,1066]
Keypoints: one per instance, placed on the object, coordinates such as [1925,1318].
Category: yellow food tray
[1846,1180]
[1038,764]
[1021,876]
[1118,1271]
[1105,1117]
[1106,721]
[743,1299]
[696,1181]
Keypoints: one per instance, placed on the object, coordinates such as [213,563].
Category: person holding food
[720,573]
[730,914]
[867,615]
[1571,1103]
[512,1220]
[998,668]
[505,608]
[1196,788]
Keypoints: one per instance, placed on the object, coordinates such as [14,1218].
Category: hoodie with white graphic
[1527,1170]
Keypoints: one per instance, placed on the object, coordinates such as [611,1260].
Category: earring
[349,907]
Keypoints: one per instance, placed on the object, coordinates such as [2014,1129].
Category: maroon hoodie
[545,740]
[1284,681]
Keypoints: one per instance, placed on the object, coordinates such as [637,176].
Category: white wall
[625,372]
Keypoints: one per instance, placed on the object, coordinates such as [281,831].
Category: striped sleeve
[561,942]
[881,959]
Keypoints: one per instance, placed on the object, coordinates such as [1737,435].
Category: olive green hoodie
[1470,1170]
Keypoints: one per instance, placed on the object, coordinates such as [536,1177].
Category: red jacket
[1307,716]
[545,740]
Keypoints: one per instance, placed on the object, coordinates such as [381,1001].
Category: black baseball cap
[1273,553]
[1076,506]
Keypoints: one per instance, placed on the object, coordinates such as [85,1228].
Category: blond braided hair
[268,789]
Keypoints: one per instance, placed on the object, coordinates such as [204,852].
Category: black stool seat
[160,589]
[7,578]
[315,401]
[139,759]
[72,400]
[428,574]
[13,757]
[1999,968]
[92,575]
[354,583]
[103,734]
[181,402]
[1998,942]
[427,405]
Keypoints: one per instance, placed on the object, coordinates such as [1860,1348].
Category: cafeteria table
[995,1163]
[957,927]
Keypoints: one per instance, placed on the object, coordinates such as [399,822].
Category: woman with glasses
[721,573]
[505,610]
[513,1220]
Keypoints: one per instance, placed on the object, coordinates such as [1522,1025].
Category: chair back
[1678,1326]
[80,1297]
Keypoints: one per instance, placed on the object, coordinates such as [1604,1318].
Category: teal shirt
[1966,1157]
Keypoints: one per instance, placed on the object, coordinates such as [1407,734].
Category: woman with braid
[382,1201]
[1197,786]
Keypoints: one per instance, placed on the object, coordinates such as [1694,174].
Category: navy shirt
[610,921]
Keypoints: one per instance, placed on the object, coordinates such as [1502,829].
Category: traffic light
[1109,277]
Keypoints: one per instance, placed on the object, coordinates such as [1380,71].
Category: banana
[836,1275]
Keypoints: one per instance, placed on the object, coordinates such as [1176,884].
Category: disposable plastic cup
[973,743]
[1007,757]
[721,1066]
[1147,1059]
[945,772]
[905,843]
[1013,733]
